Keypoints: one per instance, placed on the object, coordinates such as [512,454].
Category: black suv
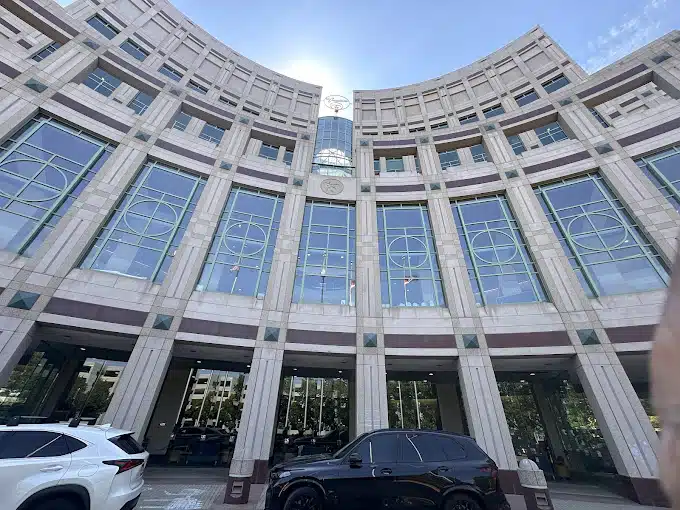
[391,469]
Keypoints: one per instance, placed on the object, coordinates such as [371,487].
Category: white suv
[61,467]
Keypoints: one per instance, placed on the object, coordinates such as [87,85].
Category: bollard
[534,486]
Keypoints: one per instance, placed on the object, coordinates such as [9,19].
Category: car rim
[305,502]
[464,505]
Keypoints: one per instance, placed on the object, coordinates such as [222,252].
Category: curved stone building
[493,259]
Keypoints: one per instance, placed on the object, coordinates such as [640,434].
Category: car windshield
[343,451]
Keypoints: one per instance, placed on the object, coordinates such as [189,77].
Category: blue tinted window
[449,159]
[140,102]
[240,256]
[498,262]
[181,121]
[102,82]
[325,265]
[43,169]
[663,169]
[493,111]
[376,165]
[170,72]
[135,50]
[516,144]
[468,119]
[409,271]
[479,154]
[142,236]
[526,98]
[395,164]
[212,133]
[268,151]
[288,157]
[555,83]
[333,147]
[197,88]
[103,27]
[550,133]
[599,117]
[46,51]
[606,249]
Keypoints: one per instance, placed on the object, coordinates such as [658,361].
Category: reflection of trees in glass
[306,403]
[220,405]
[401,398]
[27,385]
[522,415]
[92,403]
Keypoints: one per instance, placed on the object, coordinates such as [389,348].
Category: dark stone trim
[262,175]
[141,38]
[302,336]
[459,134]
[114,17]
[489,101]
[177,64]
[545,74]
[527,84]
[240,494]
[273,129]
[9,70]
[645,491]
[2,289]
[389,143]
[535,339]
[627,334]
[420,341]
[400,188]
[572,158]
[527,115]
[24,43]
[185,152]
[89,112]
[612,81]
[82,310]
[630,101]
[50,17]
[509,481]
[134,69]
[473,180]
[10,27]
[260,471]
[211,108]
[214,328]
[649,133]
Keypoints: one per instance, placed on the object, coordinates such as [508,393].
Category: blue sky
[368,44]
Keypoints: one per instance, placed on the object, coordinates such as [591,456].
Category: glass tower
[333,148]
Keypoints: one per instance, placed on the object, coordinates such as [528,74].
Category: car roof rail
[74,422]
[13,421]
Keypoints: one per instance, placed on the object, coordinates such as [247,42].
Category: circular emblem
[332,186]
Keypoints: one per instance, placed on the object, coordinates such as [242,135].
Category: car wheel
[56,504]
[304,498]
[462,502]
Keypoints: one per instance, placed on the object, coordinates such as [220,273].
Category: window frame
[204,135]
[524,95]
[450,164]
[395,158]
[554,80]
[665,186]
[518,144]
[550,132]
[599,117]
[178,125]
[50,49]
[468,119]
[136,101]
[170,72]
[103,23]
[480,157]
[135,46]
[197,87]
[288,156]
[493,111]
[268,146]
[101,83]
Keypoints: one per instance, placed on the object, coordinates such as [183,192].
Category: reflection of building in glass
[105,371]
[333,148]
[213,397]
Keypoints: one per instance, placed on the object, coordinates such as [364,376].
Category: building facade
[502,235]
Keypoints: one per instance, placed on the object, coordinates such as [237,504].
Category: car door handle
[442,469]
[51,469]
[386,471]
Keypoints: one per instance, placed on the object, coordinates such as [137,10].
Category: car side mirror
[355,460]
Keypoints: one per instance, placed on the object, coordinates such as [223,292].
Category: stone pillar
[167,410]
[449,407]
[371,393]
[140,384]
[255,432]
[630,438]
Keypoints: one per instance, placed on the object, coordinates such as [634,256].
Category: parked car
[62,467]
[200,445]
[395,469]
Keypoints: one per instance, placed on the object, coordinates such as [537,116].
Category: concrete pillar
[449,408]
[139,385]
[256,430]
[630,438]
[371,393]
[167,410]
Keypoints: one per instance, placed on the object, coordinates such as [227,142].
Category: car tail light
[492,470]
[124,465]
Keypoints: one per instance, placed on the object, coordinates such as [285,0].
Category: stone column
[140,384]
[371,393]
[630,438]
[255,432]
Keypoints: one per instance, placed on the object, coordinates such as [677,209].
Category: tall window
[46,51]
[605,247]
[142,236]
[103,27]
[376,166]
[449,159]
[663,169]
[555,83]
[134,49]
[325,266]
[288,157]
[43,168]
[479,154]
[599,117]
[409,271]
[550,133]
[102,82]
[394,164]
[499,265]
[517,144]
[140,102]
[240,256]
[181,121]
